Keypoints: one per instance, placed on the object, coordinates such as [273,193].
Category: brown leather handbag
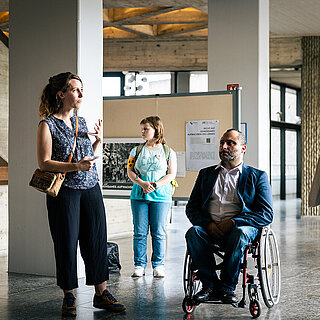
[51,182]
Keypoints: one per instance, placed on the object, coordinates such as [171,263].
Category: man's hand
[225,226]
[214,231]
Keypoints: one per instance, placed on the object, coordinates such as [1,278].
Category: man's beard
[227,156]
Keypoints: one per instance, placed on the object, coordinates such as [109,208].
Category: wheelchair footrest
[242,303]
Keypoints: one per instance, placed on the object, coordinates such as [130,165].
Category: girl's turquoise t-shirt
[152,166]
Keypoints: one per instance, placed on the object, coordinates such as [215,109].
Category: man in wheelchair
[228,204]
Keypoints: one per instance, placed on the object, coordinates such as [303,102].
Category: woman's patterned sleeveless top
[62,144]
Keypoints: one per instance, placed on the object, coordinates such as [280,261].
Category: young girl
[151,195]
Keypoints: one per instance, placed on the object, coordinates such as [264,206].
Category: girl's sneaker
[138,272]
[158,272]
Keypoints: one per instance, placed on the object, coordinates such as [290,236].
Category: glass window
[291,106]
[198,81]
[147,83]
[111,86]
[275,161]
[130,84]
[291,162]
[275,103]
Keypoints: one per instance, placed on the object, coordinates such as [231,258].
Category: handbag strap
[74,143]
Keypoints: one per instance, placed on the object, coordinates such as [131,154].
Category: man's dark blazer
[254,192]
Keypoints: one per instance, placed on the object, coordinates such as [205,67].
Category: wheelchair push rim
[191,284]
[269,268]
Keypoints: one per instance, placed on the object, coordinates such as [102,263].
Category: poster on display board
[202,144]
[115,154]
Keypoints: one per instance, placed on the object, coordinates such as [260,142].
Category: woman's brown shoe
[69,305]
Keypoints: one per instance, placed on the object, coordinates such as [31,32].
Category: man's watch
[154,184]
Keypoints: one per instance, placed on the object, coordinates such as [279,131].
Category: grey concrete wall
[4,119]
[155,55]
[183,82]
[39,48]
[4,100]
[238,52]
[44,42]
[3,220]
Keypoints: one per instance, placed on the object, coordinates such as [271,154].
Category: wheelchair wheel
[187,305]
[269,268]
[255,308]
[191,283]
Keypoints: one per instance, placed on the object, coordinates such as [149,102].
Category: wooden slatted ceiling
[154,22]
[4,17]
[4,21]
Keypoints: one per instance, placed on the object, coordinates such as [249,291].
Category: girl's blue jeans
[154,215]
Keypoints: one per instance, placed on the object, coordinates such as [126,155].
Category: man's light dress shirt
[224,202]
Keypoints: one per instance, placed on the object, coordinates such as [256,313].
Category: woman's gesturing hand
[97,131]
[85,163]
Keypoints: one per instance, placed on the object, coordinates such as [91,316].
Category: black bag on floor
[113,256]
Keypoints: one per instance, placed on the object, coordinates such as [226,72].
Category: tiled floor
[34,297]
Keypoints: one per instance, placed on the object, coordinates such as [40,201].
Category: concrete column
[46,37]
[238,52]
[4,100]
[4,115]
[310,119]
[90,63]
[183,82]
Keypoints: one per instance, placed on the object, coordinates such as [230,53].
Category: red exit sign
[232,86]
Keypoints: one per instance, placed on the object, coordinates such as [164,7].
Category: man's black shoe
[203,295]
[206,294]
[228,297]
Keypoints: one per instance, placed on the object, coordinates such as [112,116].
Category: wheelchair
[267,277]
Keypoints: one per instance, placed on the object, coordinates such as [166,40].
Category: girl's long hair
[50,102]
[156,123]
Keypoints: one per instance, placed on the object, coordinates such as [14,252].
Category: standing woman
[77,213]
[151,195]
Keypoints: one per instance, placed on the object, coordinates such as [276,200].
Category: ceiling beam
[4,21]
[285,52]
[131,15]
[4,39]
[115,33]
[185,15]
[142,29]
[4,26]
[137,31]
[198,4]
[180,54]
[164,55]
[200,34]
[179,28]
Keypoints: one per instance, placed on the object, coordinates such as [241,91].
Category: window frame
[283,126]
[115,75]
